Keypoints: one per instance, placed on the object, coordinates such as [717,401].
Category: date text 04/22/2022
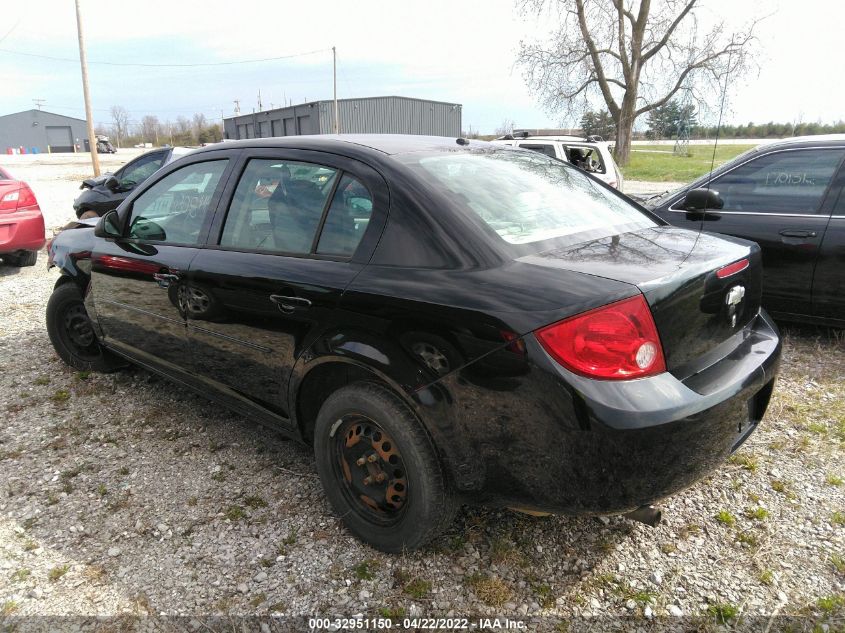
[380,624]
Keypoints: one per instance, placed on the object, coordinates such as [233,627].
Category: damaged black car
[445,321]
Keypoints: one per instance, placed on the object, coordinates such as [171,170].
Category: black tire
[22,258]
[428,505]
[72,333]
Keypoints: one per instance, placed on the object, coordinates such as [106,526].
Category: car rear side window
[542,148]
[175,208]
[347,219]
[792,181]
[527,198]
[587,158]
[278,206]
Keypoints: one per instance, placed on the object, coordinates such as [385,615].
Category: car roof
[383,143]
[825,139]
[181,151]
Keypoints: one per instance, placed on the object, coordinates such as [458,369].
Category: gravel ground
[125,494]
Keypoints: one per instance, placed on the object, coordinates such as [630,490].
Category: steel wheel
[432,357]
[380,469]
[72,332]
[79,332]
[371,467]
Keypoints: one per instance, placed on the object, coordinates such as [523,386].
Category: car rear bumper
[21,231]
[557,442]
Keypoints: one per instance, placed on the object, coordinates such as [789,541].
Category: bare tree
[149,128]
[505,127]
[120,123]
[200,123]
[636,55]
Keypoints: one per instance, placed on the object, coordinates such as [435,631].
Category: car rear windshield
[527,199]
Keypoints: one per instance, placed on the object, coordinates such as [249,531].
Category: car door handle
[797,233]
[165,279]
[289,304]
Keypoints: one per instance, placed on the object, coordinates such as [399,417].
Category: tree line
[673,119]
[195,130]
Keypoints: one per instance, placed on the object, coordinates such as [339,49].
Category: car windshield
[529,199]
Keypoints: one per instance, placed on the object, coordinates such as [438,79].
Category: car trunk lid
[694,308]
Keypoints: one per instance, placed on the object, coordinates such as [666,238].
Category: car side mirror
[112,183]
[108,226]
[702,200]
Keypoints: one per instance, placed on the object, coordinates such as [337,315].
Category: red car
[21,222]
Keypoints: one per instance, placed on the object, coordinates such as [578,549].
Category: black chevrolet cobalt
[445,321]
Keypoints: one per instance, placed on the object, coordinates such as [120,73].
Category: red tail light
[618,341]
[22,199]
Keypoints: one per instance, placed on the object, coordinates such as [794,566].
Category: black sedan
[787,197]
[445,321]
[106,192]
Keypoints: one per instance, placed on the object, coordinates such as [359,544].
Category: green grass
[757,513]
[57,572]
[726,518]
[8,607]
[235,513]
[417,589]
[364,570]
[21,575]
[723,613]
[748,462]
[830,604]
[255,502]
[666,167]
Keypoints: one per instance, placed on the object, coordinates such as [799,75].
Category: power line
[142,65]
[11,30]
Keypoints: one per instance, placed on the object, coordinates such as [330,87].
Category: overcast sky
[451,50]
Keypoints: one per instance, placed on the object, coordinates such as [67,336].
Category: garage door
[304,124]
[59,138]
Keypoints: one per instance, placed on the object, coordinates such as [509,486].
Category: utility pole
[83,61]
[237,107]
[260,105]
[334,77]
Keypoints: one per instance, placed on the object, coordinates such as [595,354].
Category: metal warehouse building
[37,130]
[369,115]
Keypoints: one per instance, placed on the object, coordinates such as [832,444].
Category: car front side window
[791,181]
[175,208]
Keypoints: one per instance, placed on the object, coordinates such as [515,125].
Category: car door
[135,278]
[777,200]
[299,227]
[829,277]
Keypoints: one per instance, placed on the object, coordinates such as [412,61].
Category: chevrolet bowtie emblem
[733,298]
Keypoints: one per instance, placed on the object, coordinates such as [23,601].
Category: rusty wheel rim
[371,469]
